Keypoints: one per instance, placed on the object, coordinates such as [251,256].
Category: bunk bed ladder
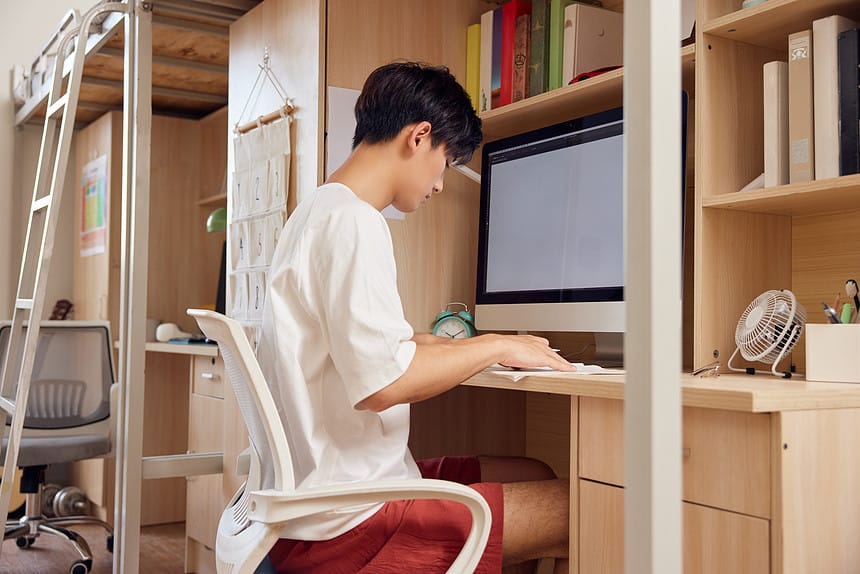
[17,367]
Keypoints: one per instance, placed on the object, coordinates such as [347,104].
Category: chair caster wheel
[110,543]
[25,541]
[81,567]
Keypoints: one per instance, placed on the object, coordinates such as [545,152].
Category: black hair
[402,93]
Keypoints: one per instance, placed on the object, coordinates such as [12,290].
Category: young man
[344,364]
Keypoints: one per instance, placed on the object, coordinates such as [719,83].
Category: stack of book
[527,47]
[811,112]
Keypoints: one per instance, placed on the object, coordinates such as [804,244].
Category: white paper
[581,369]
[340,129]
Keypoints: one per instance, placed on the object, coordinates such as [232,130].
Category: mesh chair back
[72,374]
[253,397]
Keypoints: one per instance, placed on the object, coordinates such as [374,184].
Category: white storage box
[833,353]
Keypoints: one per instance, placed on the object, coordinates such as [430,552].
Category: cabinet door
[204,502]
[715,541]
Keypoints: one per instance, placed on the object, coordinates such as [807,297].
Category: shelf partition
[817,197]
[767,24]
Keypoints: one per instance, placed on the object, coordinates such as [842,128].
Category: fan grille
[770,326]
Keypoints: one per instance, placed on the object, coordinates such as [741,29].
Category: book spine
[825,83]
[775,123]
[539,47]
[496,76]
[510,11]
[568,59]
[556,42]
[521,58]
[800,104]
[848,49]
[486,63]
[473,63]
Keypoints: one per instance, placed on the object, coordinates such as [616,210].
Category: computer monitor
[551,236]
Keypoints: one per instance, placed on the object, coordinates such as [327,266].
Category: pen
[831,314]
[847,312]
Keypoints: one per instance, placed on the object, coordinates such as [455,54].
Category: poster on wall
[94,207]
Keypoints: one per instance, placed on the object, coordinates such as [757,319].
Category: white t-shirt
[333,334]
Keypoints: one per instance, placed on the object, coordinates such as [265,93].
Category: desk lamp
[217,222]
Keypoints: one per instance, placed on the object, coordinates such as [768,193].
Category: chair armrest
[273,507]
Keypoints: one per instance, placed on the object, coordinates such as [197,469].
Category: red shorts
[404,536]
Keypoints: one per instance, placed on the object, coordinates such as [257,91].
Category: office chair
[251,522]
[68,418]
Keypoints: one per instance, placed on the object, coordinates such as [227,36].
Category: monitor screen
[551,236]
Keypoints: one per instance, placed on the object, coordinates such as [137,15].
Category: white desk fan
[768,329]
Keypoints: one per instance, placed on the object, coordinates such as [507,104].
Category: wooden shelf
[767,24]
[813,198]
[597,94]
[217,199]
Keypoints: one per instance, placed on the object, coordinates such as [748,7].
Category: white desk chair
[72,397]
[251,523]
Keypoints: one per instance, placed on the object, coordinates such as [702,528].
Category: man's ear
[418,133]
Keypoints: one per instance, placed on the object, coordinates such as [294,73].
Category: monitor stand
[609,349]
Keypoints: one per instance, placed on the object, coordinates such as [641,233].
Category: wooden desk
[771,472]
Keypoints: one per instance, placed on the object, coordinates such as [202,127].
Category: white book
[593,38]
[486,66]
[775,123]
[826,93]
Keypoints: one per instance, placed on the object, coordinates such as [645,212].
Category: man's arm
[440,364]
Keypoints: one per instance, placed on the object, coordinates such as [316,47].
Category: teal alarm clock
[454,324]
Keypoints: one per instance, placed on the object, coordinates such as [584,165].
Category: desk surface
[748,393]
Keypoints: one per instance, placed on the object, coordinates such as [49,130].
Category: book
[825,84]
[775,123]
[473,63]
[496,59]
[593,38]
[511,10]
[556,42]
[486,63]
[801,134]
[848,50]
[539,48]
[521,58]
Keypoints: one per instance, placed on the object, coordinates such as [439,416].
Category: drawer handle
[209,376]
[686,452]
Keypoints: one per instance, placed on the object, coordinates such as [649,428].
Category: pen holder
[833,353]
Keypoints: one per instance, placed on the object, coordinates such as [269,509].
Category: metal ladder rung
[24,303]
[7,405]
[57,106]
[41,203]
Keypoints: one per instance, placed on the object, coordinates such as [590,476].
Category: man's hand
[528,352]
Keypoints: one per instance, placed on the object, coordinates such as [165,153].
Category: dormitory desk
[771,472]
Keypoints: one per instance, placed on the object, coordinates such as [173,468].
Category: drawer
[726,454]
[203,508]
[715,541]
[207,377]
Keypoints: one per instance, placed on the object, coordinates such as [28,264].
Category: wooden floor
[162,551]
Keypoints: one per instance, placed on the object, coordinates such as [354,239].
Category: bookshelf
[800,236]
[594,95]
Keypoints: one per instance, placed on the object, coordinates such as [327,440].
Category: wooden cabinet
[188,166]
[715,541]
[205,497]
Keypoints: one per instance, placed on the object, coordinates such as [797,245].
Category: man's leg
[537,510]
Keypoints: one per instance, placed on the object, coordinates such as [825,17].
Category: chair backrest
[253,397]
[72,374]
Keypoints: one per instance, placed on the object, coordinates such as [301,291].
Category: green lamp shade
[217,220]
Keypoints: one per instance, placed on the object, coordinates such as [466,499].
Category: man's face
[426,172]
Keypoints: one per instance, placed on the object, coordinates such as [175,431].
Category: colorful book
[496,76]
[801,134]
[848,49]
[775,123]
[511,10]
[556,42]
[539,47]
[825,84]
[522,34]
[486,64]
[473,63]
[593,38]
